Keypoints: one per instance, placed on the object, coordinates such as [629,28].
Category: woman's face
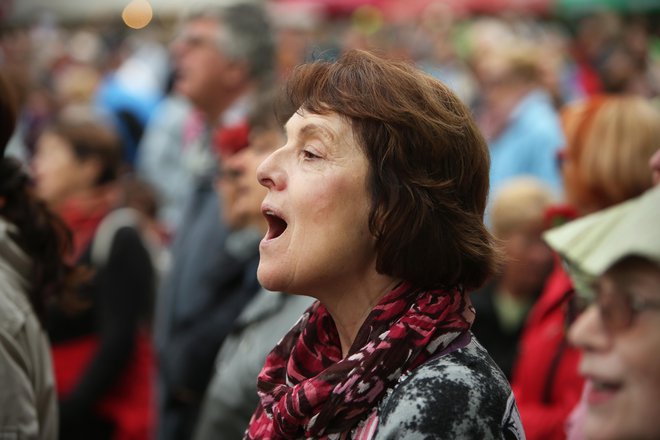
[622,366]
[241,192]
[204,73]
[58,173]
[529,260]
[317,208]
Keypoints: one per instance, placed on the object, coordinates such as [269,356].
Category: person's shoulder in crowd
[15,308]
[459,395]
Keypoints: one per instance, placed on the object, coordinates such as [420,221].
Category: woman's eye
[307,154]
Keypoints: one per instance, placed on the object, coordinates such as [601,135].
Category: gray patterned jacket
[28,402]
[460,395]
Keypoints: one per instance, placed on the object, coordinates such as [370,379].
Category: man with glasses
[222,56]
[613,257]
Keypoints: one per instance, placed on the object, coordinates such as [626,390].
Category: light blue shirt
[529,144]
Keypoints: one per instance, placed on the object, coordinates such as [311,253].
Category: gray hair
[247,35]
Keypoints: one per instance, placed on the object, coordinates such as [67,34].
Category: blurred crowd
[146,144]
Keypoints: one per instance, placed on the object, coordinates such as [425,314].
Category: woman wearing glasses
[618,331]
[609,141]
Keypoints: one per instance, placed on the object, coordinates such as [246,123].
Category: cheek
[340,219]
[340,207]
[193,75]
[638,355]
[642,359]
[227,192]
[52,174]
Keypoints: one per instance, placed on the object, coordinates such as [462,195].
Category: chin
[268,279]
[614,428]
[275,280]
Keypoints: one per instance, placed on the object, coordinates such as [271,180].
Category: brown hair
[8,111]
[429,165]
[39,232]
[92,140]
[610,140]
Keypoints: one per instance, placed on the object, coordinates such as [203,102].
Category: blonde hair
[520,203]
[610,140]
[515,63]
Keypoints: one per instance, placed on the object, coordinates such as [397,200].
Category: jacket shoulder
[459,395]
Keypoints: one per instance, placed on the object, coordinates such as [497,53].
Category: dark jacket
[500,341]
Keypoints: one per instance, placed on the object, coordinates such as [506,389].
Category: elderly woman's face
[317,208]
[621,362]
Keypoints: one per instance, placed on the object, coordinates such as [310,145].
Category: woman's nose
[588,333]
[270,172]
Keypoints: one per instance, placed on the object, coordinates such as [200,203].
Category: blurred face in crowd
[529,261]
[241,192]
[317,209]
[204,72]
[57,171]
[620,340]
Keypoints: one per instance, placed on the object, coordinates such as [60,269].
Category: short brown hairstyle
[92,140]
[429,165]
[610,140]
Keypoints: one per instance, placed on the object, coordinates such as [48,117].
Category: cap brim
[595,242]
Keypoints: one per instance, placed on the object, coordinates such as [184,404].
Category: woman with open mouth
[614,258]
[375,208]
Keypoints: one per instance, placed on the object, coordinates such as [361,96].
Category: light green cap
[595,242]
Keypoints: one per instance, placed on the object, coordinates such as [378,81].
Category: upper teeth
[270,213]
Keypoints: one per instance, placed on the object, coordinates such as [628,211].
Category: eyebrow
[312,129]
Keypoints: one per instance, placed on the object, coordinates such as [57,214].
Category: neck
[350,305]
[514,97]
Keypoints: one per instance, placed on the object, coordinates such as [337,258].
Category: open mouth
[276,225]
[603,386]
[601,391]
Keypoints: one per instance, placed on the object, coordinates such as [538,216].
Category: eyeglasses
[228,174]
[617,309]
[194,41]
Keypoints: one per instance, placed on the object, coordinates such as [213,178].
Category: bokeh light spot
[137,14]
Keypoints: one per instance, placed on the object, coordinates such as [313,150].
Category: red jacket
[545,381]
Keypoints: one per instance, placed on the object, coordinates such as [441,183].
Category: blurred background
[115,52]
[519,65]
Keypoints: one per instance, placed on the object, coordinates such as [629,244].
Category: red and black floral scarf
[306,388]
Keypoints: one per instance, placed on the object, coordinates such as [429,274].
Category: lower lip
[266,241]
